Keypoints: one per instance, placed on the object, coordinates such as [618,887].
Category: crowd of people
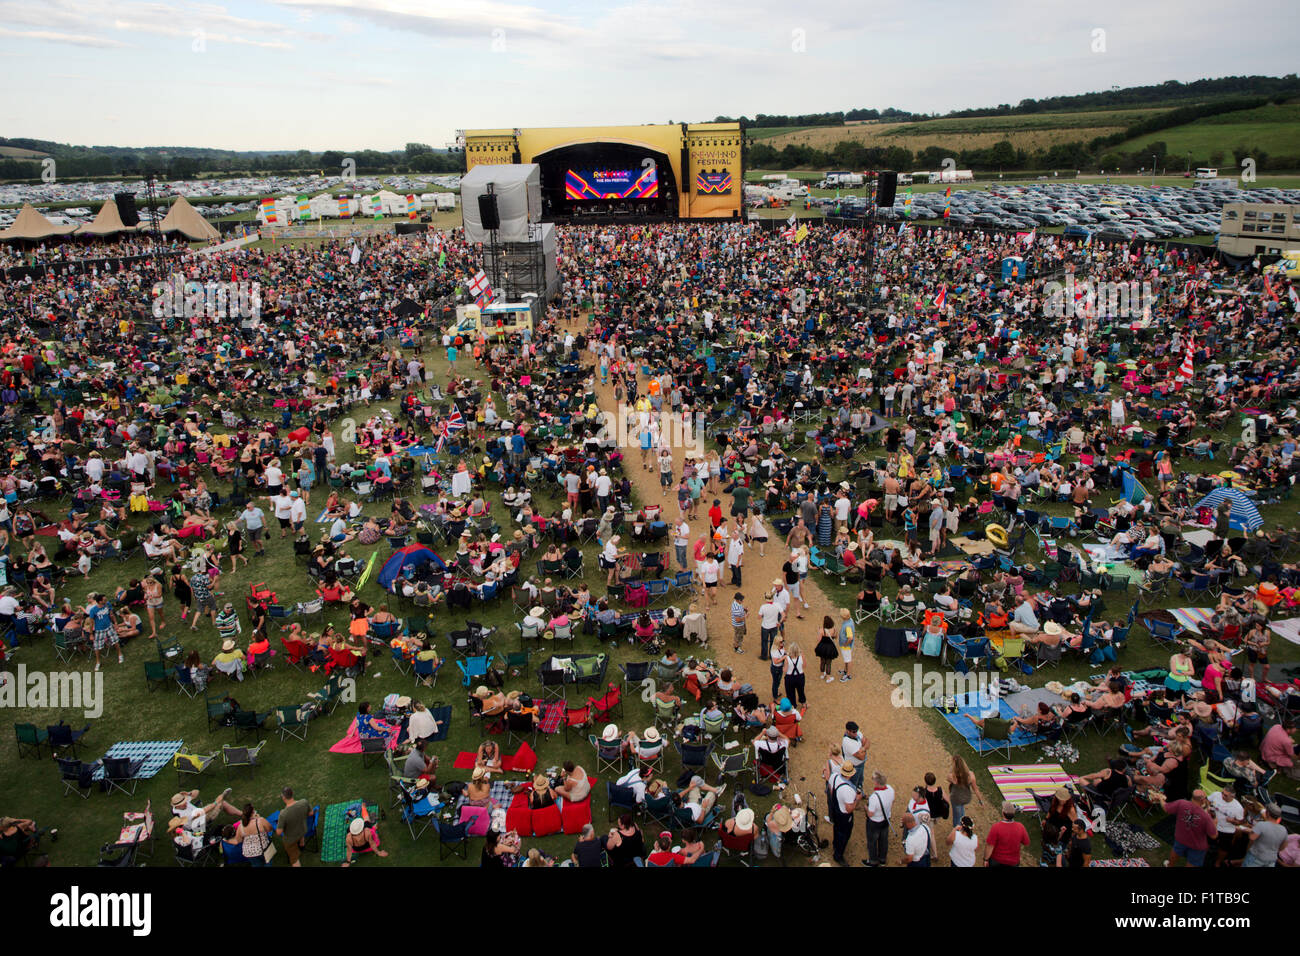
[869,400]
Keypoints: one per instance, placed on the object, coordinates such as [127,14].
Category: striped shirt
[738,613]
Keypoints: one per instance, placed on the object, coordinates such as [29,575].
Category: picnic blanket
[1020,782]
[1145,682]
[972,705]
[971,547]
[335,828]
[1288,629]
[523,761]
[952,566]
[1026,701]
[1192,618]
[351,742]
[1105,554]
[1200,537]
[156,754]
[324,517]
[1135,861]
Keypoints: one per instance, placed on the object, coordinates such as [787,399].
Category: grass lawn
[131,712]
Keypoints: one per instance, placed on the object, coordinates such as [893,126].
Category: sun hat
[847,769]
[180,799]
[651,734]
[1051,627]
[772,733]
[356,826]
[610,733]
[537,611]
[745,818]
[780,820]
[479,773]
[227,645]
[541,784]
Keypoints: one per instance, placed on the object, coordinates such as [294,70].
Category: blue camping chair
[426,672]
[474,668]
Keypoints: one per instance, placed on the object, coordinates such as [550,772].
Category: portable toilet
[1013,269]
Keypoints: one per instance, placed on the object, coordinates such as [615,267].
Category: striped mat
[1192,618]
[1019,782]
[156,754]
[334,828]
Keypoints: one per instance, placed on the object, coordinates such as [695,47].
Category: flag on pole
[947,202]
[907,203]
[356,254]
[377,206]
[1185,370]
[941,299]
[304,207]
[802,234]
[268,210]
[1087,242]
[345,207]
[480,288]
[410,206]
[1028,237]
[1268,287]
[442,259]
[792,221]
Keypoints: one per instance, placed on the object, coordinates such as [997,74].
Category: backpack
[939,808]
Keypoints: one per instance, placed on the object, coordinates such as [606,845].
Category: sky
[377,74]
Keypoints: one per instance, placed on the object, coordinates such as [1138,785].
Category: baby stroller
[803,834]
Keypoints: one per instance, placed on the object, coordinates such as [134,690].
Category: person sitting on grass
[361,839]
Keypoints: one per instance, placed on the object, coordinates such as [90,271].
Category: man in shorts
[739,614]
[665,470]
[845,642]
[254,519]
[101,615]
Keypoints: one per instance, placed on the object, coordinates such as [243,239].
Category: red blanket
[522,762]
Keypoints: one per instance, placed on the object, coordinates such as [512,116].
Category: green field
[1273,129]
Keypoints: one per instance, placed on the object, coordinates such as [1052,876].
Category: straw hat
[1051,627]
[403,701]
[847,769]
[651,735]
[357,826]
[538,611]
[541,784]
[780,820]
[227,645]
[479,773]
[1062,794]
[745,819]
[180,799]
[610,733]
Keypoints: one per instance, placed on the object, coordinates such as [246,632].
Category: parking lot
[1118,211]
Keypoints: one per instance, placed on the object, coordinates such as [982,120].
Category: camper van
[444,202]
[1206,172]
[841,179]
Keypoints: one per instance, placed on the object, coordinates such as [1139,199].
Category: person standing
[854,747]
[1267,837]
[1006,837]
[291,826]
[681,539]
[918,839]
[795,675]
[963,843]
[769,621]
[101,616]
[739,614]
[255,525]
[735,557]
[843,800]
[845,640]
[776,663]
[880,805]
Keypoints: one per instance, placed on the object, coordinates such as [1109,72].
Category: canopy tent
[183,218]
[1244,515]
[30,224]
[1133,490]
[414,555]
[107,222]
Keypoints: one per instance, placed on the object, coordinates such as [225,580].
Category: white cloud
[52,36]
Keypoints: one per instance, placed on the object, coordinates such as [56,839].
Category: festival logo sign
[713,182]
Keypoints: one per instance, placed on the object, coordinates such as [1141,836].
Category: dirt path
[903,745]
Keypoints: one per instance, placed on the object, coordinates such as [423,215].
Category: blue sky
[353,74]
